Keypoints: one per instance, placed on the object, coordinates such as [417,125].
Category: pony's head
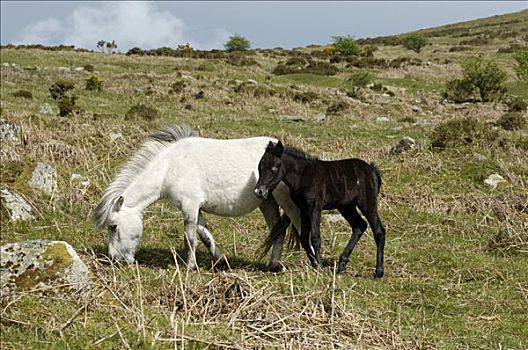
[125,227]
[270,170]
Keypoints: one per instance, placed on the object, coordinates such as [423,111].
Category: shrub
[321,68]
[337,107]
[414,41]
[94,83]
[60,88]
[282,69]
[516,104]
[512,121]
[361,78]
[521,56]
[296,61]
[89,68]
[237,43]
[462,132]
[141,111]
[305,97]
[177,87]
[240,60]
[23,94]
[481,76]
[346,45]
[67,105]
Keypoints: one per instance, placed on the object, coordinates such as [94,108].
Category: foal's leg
[315,234]
[306,241]
[270,211]
[358,228]
[207,238]
[371,213]
[190,220]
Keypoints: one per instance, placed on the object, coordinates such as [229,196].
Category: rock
[478,156]
[46,109]
[290,118]
[9,131]
[416,109]
[17,207]
[199,95]
[40,265]
[43,178]
[405,144]
[251,81]
[5,64]
[320,117]
[82,180]
[382,120]
[78,69]
[114,135]
[493,180]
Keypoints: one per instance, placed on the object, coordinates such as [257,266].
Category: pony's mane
[298,153]
[157,141]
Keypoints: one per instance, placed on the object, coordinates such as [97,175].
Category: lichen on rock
[40,265]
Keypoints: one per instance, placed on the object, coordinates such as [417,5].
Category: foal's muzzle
[261,192]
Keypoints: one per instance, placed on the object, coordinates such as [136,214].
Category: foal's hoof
[341,270]
[378,274]
[276,267]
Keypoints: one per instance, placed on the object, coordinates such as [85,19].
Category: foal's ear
[118,203]
[279,148]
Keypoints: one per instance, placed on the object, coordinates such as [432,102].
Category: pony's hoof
[378,274]
[221,263]
[276,267]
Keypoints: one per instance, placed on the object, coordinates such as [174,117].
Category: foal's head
[270,170]
[125,227]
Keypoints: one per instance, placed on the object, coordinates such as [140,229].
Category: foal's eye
[274,169]
[112,227]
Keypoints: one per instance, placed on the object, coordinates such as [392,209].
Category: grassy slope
[447,284]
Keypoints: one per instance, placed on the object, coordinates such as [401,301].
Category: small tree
[101,45]
[521,56]
[414,41]
[237,43]
[346,45]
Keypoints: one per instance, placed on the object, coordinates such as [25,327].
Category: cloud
[130,24]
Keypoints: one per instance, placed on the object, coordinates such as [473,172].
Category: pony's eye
[274,169]
[112,227]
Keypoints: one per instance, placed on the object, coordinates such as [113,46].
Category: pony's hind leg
[190,220]
[358,228]
[208,240]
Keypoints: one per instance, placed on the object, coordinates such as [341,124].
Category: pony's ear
[270,146]
[118,203]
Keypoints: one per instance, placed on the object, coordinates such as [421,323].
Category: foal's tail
[378,174]
[293,239]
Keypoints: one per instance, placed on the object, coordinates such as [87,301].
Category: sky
[209,24]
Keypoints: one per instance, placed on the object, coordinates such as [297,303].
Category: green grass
[456,250]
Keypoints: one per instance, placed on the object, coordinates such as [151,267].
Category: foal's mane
[157,141]
[298,153]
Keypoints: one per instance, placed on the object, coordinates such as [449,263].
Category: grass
[455,253]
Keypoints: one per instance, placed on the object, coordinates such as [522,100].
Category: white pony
[196,175]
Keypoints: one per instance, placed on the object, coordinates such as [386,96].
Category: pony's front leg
[190,220]
[270,211]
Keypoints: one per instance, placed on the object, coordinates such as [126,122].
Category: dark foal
[318,185]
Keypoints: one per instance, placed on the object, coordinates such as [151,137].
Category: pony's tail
[378,174]
[293,239]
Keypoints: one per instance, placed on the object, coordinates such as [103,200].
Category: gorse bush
[483,80]
[237,43]
[67,105]
[141,111]
[361,78]
[462,132]
[414,41]
[94,83]
[346,45]
[23,94]
[60,88]
[521,57]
